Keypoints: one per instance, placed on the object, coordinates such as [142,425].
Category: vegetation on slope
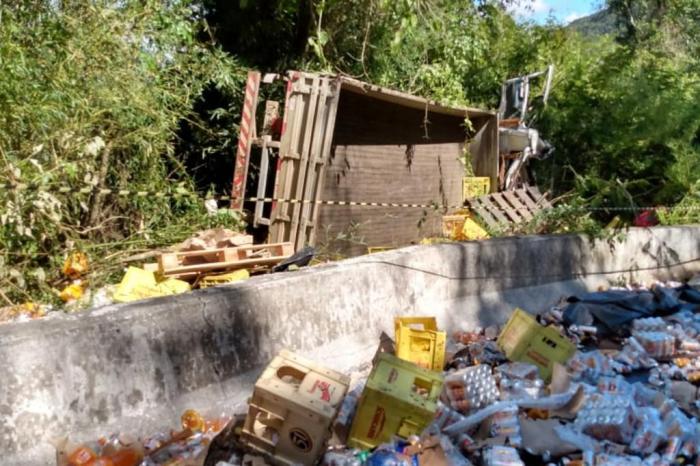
[145,96]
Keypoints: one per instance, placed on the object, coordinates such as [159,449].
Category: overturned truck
[350,165]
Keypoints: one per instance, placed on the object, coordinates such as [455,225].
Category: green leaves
[624,113]
[74,83]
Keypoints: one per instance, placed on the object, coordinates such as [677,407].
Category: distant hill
[597,24]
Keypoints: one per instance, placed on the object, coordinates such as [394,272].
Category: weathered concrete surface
[136,367]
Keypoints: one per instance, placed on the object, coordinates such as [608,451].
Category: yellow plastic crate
[475,186]
[400,398]
[471,230]
[452,225]
[523,339]
[419,341]
[221,279]
[461,227]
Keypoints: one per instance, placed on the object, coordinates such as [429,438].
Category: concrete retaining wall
[136,367]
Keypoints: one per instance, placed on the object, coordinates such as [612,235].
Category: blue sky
[564,11]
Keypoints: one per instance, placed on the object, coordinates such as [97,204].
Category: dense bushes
[92,95]
[138,95]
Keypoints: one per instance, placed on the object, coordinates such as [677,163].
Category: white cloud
[573,17]
[527,9]
[540,6]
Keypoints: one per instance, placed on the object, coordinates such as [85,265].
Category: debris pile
[185,447]
[602,379]
[209,258]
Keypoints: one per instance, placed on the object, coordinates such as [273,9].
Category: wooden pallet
[188,263]
[500,210]
[309,120]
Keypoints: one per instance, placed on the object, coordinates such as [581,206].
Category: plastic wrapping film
[607,417]
[502,456]
[471,389]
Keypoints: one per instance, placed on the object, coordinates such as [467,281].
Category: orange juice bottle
[126,457]
[101,461]
[81,456]
[192,420]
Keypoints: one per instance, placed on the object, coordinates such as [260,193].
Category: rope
[161,194]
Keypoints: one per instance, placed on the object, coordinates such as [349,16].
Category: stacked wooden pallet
[501,210]
[191,264]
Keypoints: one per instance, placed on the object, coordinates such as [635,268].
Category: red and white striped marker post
[245,139]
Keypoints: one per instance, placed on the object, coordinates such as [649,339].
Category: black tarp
[612,311]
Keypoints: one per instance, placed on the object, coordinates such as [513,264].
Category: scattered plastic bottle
[387,458]
[341,458]
[126,457]
[81,456]
[192,420]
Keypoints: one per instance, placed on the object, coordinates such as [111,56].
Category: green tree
[92,95]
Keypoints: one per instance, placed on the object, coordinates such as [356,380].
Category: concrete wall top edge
[567,257]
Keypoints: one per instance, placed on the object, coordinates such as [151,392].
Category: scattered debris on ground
[209,258]
[607,378]
[220,256]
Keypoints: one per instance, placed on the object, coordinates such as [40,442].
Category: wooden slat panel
[173,260]
[247,134]
[519,206]
[503,209]
[525,198]
[494,210]
[484,213]
[538,197]
[511,213]
[324,154]
[291,144]
[262,180]
[311,181]
[303,167]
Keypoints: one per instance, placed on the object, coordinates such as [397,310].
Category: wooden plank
[304,163]
[263,250]
[519,206]
[493,210]
[272,144]
[329,127]
[539,198]
[285,177]
[524,197]
[262,181]
[484,213]
[291,129]
[507,208]
[211,266]
[168,262]
[311,180]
